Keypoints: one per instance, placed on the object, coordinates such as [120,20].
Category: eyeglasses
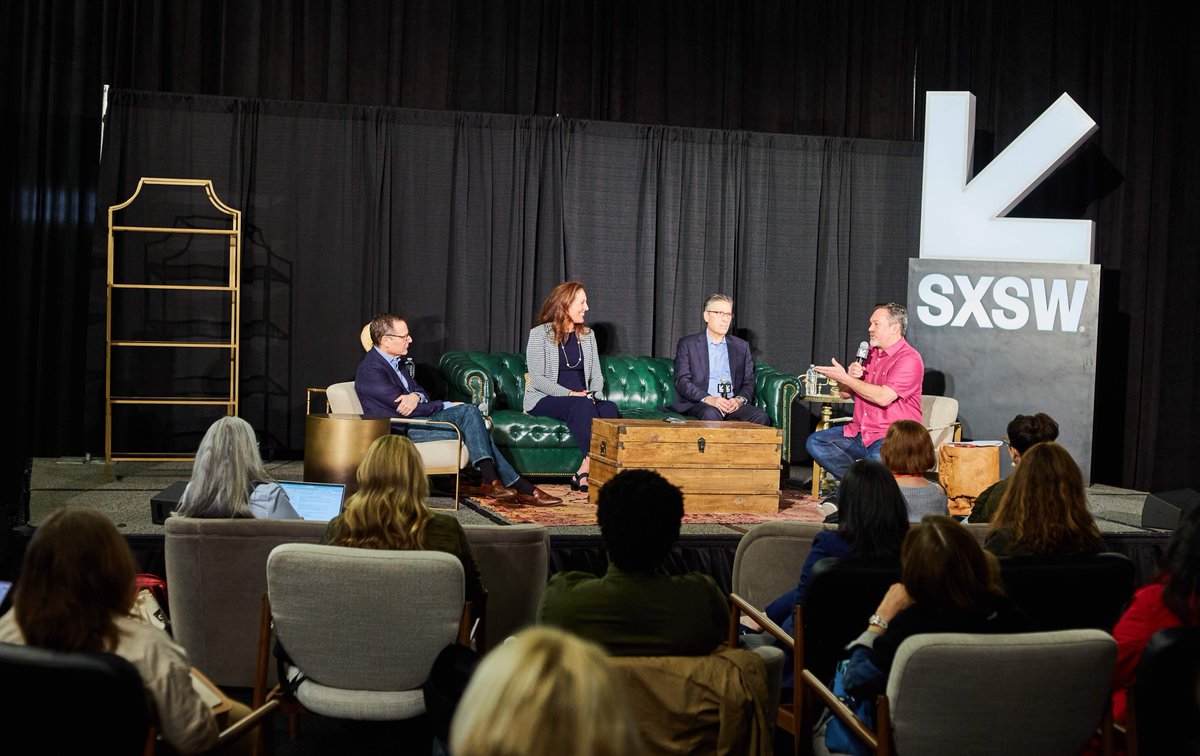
[720,313]
[399,335]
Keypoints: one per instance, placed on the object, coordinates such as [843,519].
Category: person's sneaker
[828,509]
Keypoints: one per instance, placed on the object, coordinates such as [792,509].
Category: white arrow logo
[965,221]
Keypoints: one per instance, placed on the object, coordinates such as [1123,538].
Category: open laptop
[315,501]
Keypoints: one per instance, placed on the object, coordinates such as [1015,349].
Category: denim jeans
[835,451]
[475,437]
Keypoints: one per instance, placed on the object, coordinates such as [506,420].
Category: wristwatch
[741,400]
[878,622]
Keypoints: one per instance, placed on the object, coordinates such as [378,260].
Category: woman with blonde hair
[544,692]
[1044,508]
[565,379]
[389,511]
[908,452]
[76,594]
[229,480]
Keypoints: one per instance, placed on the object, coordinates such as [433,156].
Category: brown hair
[1044,505]
[554,312]
[907,448]
[77,578]
[388,511]
[942,564]
[381,325]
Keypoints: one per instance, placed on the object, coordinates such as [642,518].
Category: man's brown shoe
[538,498]
[494,490]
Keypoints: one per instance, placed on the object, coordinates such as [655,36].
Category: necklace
[567,359]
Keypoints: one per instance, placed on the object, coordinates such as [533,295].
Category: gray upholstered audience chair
[953,693]
[513,564]
[217,574]
[361,627]
[769,559]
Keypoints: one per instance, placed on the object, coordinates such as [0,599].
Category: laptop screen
[315,501]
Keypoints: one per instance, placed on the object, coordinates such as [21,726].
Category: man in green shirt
[636,609]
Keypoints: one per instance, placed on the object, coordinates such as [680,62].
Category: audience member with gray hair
[229,480]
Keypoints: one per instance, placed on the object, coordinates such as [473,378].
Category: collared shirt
[900,368]
[399,370]
[718,364]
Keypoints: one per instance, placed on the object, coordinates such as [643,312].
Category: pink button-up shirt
[900,368]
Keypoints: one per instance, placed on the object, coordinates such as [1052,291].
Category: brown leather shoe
[538,498]
[494,490]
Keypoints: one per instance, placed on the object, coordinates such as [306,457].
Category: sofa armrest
[774,392]
[466,380]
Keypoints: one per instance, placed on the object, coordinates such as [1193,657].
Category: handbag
[838,737]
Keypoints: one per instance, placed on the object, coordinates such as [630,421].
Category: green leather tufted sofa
[640,386]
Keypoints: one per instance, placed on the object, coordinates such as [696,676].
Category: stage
[122,491]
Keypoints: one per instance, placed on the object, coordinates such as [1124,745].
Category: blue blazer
[691,370]
[378,387]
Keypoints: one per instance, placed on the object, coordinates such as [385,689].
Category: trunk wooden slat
[719,466]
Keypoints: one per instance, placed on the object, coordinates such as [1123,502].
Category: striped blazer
[541,360]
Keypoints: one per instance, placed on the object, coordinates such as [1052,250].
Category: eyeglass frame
[720,313]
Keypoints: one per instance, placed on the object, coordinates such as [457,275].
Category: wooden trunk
[719,466]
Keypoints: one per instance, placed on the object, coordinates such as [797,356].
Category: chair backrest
[70,702]
[719,703]
[841,594]
[217,573]
[364,619]
[769,559]
[513,564]
[343,399]
[1072,591]
[1029,693]
[938,412]
[1165,693]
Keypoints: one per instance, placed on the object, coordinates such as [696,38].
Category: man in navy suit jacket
[714,375]
[385,389]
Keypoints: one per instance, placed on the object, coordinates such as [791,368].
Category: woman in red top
[1170,601]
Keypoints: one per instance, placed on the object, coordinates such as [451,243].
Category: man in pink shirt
[886,388]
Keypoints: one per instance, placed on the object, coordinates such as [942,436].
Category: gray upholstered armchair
[361,627]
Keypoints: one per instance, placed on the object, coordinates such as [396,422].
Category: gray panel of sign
[1010,339]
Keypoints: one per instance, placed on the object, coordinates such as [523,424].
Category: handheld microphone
[864,351]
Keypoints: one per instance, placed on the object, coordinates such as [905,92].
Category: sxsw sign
[963,219]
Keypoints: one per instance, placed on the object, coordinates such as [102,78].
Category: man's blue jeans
[835,451]
[475,437]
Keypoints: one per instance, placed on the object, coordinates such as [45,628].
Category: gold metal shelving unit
[232,286]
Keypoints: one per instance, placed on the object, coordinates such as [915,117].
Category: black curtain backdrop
[819,68]
[463,222]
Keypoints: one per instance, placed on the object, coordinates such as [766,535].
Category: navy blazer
[378,387]
[691,370]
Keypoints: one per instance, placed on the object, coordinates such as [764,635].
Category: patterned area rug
[795,506]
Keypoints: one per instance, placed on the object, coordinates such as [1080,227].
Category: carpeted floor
[794,506]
